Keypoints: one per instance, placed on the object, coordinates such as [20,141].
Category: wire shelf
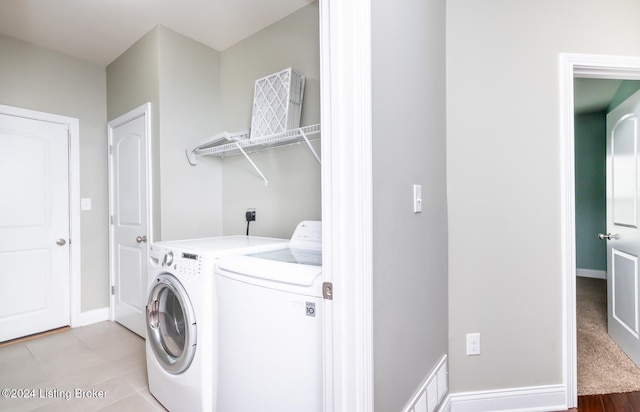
[275,119]
[259,143]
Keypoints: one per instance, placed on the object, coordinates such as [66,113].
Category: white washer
[270,327]
[181,317]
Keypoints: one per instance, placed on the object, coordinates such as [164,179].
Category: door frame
[142,110]
[345,70]
[73,127]
[593,67]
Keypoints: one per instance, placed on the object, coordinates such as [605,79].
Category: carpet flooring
[602,366]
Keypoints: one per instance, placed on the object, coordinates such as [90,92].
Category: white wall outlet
[473,344]
[417,199]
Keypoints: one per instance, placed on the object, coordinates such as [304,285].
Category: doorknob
[141,239]
[61,242]
[608,236]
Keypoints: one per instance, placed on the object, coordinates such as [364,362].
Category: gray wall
[133,80]
[38,79]
[293,193]
[409,250]
[189,112]
[504,173]
[590,175]
[180,77]
[197,92]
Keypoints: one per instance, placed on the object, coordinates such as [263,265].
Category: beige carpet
[602,366]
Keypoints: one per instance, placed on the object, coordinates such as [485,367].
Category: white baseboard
[432,391]
[538,398]
[92,316]
[591,273]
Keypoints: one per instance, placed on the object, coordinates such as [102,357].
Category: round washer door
[171,324]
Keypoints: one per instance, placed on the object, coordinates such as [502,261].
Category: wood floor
[615,402]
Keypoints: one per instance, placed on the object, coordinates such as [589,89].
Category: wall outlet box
[473,344]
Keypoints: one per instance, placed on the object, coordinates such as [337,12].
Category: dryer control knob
[168,259]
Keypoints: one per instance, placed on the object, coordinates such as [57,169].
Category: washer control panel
[188,264]
[308,235]
[184,263]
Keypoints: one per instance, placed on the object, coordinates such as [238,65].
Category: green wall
[590,170]
[626,89]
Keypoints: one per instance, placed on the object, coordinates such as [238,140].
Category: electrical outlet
[473,344]
[250,215]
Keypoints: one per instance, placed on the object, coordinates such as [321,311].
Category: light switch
[417,199]
[85,203]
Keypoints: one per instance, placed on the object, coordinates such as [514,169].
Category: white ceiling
[101,30]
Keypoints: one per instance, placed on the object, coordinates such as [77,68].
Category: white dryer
[270,311]
[181,345]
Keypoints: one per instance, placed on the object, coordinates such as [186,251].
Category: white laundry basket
[277,103]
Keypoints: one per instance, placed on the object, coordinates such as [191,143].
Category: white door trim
[345,70]
[73,126]
[594,67]
[143,110]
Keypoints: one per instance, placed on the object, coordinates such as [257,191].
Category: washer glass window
[171,324]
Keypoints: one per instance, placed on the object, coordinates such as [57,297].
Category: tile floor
[100,359]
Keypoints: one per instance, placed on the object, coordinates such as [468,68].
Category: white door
[129,144]
[623,227]
[34,226]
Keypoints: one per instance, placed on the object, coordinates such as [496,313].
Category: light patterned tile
[18,368]
[24,380]
[35,400]
[85,377]
[132,403]
[109,339]
[59,406]
[137,378]
[97,396]
[104,356]
[125,362]
[152,400]
[69,367]
[118,367]
[53,352]
[16,357]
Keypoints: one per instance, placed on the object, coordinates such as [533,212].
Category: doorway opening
[602,366]
[575,66]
